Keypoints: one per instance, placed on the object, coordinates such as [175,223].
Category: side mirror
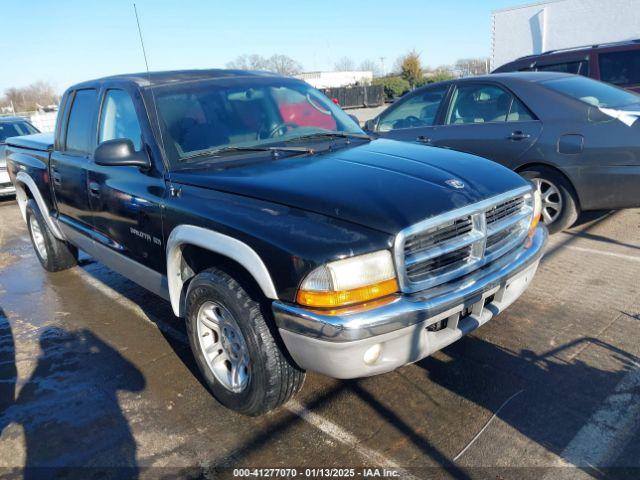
[371,124]
[355,119]
[120,152]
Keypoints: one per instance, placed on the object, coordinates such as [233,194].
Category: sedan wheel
[560,207]
[551,200]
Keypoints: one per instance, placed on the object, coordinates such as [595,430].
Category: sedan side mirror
[120,152]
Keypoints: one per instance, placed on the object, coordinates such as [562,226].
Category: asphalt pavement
[95,372]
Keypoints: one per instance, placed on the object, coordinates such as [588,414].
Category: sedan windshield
[15,129]
[593,92]
[205,119]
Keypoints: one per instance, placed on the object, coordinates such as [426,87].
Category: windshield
[200,117]
[593,92]
[15,129]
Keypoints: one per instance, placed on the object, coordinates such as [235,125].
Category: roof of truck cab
[175,76]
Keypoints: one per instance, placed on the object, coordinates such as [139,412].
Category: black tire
[274,377]
[59,255]
[569,210]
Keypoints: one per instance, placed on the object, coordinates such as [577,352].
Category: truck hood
[384,184]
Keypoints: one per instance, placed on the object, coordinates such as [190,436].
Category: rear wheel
[559,205]
[239,356]
[54,254]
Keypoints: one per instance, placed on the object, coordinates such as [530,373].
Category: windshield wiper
[215,152]
[346,135]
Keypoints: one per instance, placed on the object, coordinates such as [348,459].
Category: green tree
[394,86]
[411,69]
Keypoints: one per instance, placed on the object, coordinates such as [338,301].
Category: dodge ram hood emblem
[452,182]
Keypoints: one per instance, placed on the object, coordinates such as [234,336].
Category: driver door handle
[57,178]
[519,135]
[424,139]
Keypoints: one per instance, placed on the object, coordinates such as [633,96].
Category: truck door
[487,120]
[69,161]
[125,200]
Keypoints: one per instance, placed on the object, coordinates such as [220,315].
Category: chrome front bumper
[336,344]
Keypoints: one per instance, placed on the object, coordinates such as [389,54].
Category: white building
[336,79]
[543,26]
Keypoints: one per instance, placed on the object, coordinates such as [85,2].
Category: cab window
[119,119]
[78,138]
[473,104]
[417,111]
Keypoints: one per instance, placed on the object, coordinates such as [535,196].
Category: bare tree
[32,97]
[248,62]
[372,66]
[281,64]
[344,64]
[470,67]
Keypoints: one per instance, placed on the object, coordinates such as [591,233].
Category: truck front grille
[446,247]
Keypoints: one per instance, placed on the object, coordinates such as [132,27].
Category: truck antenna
[146,64]
[144,52]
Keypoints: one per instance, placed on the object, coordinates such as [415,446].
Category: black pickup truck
[286,237]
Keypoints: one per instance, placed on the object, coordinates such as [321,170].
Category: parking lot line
[338,433]
[504,404]
[601,252]
[609,429]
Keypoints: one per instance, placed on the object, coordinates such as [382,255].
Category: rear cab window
[620,68]
[78,137]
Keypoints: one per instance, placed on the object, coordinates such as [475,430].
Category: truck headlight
[537,211]
[352,280]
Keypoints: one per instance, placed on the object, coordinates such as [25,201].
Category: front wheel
[239,357]
[559,206]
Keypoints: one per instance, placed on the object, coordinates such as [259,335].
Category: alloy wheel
[38,237]
[223,346]
[551,200]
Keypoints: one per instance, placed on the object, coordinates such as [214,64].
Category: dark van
[616,63]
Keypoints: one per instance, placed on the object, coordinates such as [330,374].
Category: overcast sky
[67,41]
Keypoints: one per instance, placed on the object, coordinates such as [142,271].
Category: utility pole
[382,65]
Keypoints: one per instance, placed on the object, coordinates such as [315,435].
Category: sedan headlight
[349,281]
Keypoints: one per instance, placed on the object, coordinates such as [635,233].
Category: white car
[11,127]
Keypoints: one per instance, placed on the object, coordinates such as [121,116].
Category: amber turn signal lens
[534,225]
[347,297]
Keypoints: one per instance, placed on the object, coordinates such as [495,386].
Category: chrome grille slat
[442,248]
[440,235]
[446,247]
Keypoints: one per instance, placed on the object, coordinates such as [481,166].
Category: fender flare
[218,243]
[23,180]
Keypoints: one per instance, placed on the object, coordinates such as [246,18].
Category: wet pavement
[95,372]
